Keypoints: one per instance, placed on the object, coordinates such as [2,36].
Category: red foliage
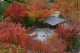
[67,33]
[58,44]
[53,7]
[42,48]
[12,33]
[64,33]
[16,12]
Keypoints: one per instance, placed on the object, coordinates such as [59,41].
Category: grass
[3,6]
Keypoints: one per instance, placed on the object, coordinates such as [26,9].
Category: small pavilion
[53,21]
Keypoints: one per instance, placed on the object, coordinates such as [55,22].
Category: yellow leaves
[33,14]
[33,11]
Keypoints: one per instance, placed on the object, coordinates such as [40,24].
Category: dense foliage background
[19,17]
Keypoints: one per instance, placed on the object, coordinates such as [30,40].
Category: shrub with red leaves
[13,33]
[58,44]
[64,33]
[16,12]
[40,47]
[67,33]
[71,35]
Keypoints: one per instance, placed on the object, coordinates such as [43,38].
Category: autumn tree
[71,13]
[12,33]
[57,44]
[16,12]
[40,9]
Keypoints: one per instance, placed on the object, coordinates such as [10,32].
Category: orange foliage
[35,10]
[69,10]
[40,11]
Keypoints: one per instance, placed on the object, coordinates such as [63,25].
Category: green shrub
[3,6]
